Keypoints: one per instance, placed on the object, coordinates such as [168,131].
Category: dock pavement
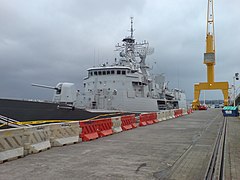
[179,148]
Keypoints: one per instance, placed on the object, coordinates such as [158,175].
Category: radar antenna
[132,30]
[131,51]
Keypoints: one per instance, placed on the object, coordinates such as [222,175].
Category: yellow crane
[209,60]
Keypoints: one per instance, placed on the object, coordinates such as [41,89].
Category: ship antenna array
[132,30]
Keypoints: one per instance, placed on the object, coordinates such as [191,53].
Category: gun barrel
[44,86]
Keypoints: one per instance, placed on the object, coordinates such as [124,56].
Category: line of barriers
[20,142]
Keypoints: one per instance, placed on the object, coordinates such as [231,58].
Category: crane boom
[209,56]
[210,37]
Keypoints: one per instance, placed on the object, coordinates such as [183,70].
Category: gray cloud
[51,41]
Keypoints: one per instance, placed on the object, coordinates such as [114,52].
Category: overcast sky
[51,41]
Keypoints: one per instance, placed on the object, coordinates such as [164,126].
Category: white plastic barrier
[168,114]
[80,132]
[11,144]
[117,123]
[161,116]
[164,115]
[64,133]
[36,139]
[172,113]
[184,111]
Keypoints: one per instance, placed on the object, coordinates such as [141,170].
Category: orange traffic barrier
[189,111]
[153,117]
[147,119]
[89,130]
[96,128]
[128,122]
[178,113]
[143,119]
[104,127]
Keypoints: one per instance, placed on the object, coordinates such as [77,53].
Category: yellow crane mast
[209,60]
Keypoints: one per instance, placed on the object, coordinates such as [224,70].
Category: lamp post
[236,77]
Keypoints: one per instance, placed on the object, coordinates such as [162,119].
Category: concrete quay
[174,149]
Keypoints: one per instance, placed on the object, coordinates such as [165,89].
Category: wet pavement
[174,149]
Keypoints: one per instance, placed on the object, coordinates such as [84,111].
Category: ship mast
[131,27]
[131,51]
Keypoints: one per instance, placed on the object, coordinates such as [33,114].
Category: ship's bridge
[109,70]
[108,67]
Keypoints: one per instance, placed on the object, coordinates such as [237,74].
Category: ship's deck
[180,148]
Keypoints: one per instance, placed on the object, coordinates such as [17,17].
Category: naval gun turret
[65,94]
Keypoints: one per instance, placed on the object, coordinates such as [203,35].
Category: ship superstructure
[124,87]
[127,84]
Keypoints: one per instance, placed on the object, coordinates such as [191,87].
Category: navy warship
[125,86]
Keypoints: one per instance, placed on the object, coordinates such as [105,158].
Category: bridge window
[99,72]
[95,73]
[118,72]
[123,72]
[112,72]
[104,72]
[108,72]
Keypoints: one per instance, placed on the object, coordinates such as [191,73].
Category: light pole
[236,77]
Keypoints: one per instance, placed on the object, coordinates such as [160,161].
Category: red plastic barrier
[95,129]
[178,113]
[89,130]
[153,117]
[143,119]
[128,122]
[104,127]
[147,119]
[189,111]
